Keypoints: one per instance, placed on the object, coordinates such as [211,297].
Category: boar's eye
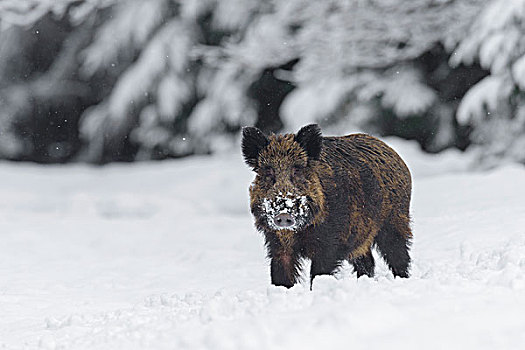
[268,173]
[297,170]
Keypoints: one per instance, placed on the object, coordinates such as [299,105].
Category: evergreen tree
[495,107]
[136,79]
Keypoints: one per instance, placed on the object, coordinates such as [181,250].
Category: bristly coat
[328,199]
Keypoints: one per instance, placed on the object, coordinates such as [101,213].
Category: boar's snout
[284,220]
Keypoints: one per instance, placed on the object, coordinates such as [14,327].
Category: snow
[121,32]
[314,102]
[482,98]
[402,90]
[165,256]
[518,72]
[293,204]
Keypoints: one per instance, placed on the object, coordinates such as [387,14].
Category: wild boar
[328,199]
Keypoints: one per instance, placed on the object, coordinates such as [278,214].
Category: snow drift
[165,256]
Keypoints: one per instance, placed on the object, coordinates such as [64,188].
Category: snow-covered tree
[495,107]
[156,72]
[179,95]
[41,93]
[168,78]
[360,62]
[345,55]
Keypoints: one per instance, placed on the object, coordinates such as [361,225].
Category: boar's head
[286,194]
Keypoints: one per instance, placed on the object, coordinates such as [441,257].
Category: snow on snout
[285,204]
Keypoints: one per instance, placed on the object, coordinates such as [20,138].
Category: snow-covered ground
[164,256]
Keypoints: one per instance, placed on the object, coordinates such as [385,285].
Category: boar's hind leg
[364,265]
[393,242]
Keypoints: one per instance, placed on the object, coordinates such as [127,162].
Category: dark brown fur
[358,195]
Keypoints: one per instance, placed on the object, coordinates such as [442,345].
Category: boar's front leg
[320,267]
[325,262]
[284,269]
[284,257]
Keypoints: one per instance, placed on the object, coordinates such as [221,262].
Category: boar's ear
[310,138]
[253,141]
